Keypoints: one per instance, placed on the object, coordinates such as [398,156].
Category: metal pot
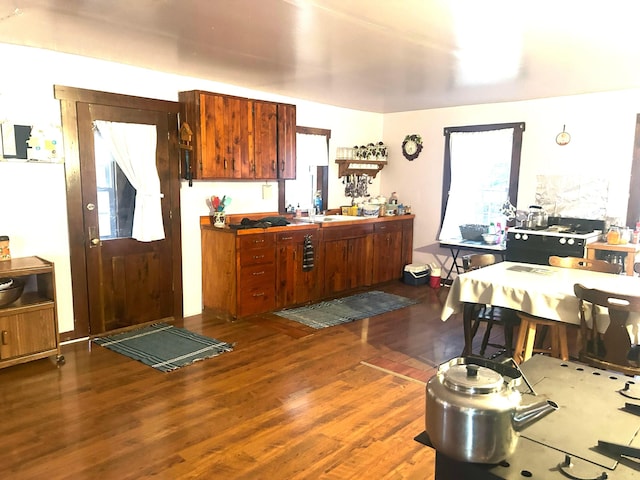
[536,218]
[474,412]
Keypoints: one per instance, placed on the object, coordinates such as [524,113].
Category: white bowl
[491,238]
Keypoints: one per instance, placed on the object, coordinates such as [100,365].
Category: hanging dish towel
[307,256]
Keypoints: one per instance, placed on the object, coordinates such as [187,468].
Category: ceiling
[373,55]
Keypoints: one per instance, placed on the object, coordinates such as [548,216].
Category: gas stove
[565,237]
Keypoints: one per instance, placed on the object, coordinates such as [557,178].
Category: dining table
[538,290]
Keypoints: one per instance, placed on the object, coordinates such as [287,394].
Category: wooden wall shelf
[359,167]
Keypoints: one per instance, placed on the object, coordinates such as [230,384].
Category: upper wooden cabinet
[286,141]
[239,138]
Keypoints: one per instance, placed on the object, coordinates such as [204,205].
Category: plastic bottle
[298,211]
[317,203]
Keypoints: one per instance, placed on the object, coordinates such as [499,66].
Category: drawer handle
[258,256]
[258,273]
[286,238]
[258,241]
[261,294]
[5,337]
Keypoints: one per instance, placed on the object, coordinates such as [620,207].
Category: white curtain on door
[133,147]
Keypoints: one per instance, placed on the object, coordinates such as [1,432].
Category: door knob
[94,237]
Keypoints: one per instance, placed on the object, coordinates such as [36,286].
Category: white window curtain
[133,147]
[311,152]
[480,171]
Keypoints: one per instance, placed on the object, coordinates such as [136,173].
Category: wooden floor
[288,403]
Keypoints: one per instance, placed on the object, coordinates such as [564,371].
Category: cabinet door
[286,141]
[294,284]
[224,136]
[29,332]
[335,266]
[360,269]
[387,256]
[265,145]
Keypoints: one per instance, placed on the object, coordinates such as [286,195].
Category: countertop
[297,224]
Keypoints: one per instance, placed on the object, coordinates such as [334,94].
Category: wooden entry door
[126,282]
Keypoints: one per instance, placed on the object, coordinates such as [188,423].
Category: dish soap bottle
[317,203]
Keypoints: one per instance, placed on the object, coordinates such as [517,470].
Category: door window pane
[116,196]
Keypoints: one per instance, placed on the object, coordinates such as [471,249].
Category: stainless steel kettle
[536,218]
[473,411]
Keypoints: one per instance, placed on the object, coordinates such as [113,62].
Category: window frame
[516,152]
[322,174]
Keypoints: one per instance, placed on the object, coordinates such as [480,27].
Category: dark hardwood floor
[288,403]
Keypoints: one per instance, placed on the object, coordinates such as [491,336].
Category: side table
[598,250]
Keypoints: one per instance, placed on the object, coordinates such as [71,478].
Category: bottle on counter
[317,203]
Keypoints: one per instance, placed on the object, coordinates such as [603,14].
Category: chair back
[636,267]
[611,349]
[478,260]
[585,264]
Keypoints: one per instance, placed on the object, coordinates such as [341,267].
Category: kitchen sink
[332,218]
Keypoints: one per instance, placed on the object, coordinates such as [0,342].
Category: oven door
[537,248]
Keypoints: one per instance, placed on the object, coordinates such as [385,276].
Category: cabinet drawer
[352,231]
[257,276]
[257,256]
[294,238]
[387,227]
[257,241]
[256,300]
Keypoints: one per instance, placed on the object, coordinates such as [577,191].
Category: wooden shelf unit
[630,249]
[29,326]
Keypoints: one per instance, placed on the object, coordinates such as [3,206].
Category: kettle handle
[501,368]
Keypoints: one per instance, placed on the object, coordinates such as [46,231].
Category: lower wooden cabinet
[29,326]
[256,274]
[347,255]
[387,252]
[255,271]
[296,285]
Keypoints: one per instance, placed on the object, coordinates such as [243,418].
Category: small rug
[164,347]
[347,309]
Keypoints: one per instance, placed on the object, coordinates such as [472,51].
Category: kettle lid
[470,378]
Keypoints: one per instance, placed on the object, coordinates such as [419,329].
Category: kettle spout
[528,414]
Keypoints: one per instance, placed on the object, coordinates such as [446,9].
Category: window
[312,160]
[481,169]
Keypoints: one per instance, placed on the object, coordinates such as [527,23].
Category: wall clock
[412,146]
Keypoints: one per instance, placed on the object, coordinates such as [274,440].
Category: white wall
[602,130]
[33,195]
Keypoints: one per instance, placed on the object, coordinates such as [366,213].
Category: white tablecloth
[543,291]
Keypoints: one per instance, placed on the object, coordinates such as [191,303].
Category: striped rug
[163,346]
[346,309]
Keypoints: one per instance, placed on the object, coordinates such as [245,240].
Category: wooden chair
[611,350]
[527,343]
[489,314]
[585,264]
